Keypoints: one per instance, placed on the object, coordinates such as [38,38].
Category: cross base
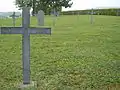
[31,86]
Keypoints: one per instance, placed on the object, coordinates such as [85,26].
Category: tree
[22,3]
[45,5]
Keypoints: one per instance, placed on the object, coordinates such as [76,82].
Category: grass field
[77,56]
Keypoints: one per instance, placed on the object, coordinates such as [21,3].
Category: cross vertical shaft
[26,45]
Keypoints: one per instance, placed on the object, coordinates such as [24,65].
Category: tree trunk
[34,8]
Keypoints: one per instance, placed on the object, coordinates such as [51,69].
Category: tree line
[46,5]
[110,11]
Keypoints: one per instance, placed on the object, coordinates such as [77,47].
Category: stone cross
[91,18]
[40,17]
[73,13]
[13,17]
[78,15]
[55,14]
[118,12]
[25,30]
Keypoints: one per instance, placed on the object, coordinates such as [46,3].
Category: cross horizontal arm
[11,30]
[34,30]
[19,30]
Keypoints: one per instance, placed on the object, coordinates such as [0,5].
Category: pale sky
[8,5]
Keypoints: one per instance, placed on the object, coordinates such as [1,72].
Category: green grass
[77,56]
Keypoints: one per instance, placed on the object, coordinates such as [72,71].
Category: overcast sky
[8,5]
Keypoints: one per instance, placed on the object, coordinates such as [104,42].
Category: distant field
[77,56]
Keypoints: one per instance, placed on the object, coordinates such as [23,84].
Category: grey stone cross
[25,30]
[91,18]
[13,17]
[54,17]
[118,12]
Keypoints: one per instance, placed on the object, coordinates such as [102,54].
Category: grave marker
[40,17]
[25,30]
[78,14]
[118,12]
[91,18]
[13,17]
[55,14]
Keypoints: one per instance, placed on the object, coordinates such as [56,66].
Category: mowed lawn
[77,56]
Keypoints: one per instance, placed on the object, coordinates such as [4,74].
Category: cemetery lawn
[77,56]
